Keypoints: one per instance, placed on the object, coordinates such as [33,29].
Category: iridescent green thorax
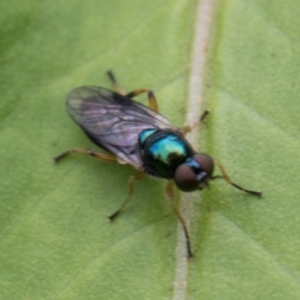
[162,151]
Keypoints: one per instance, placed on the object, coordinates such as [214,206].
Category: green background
[55,241]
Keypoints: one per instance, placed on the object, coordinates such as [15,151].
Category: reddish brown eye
[194,172]
[185,178]
[206,162]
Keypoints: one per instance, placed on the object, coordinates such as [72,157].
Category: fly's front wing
[113,121]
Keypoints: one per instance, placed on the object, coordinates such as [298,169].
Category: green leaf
[55,241]
[248,247]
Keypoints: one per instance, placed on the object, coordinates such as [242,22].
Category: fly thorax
[162,151]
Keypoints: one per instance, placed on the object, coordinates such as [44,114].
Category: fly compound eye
[206,162]
[185,178]
[194,172]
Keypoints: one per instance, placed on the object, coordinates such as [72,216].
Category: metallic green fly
[138,135]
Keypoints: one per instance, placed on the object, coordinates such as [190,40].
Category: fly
[138,135]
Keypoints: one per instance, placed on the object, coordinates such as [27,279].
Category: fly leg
[187,128]
[113,79]
[228,180]
[170,194]
[151,97]
[132,179]
[107,157]
[99,155]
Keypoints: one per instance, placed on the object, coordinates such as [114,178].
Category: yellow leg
[227,178]
[99,155]
[170,194]
[187,128]
[132,179]
[151,97]
[117,87]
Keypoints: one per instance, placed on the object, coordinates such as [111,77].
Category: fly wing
[114,121]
